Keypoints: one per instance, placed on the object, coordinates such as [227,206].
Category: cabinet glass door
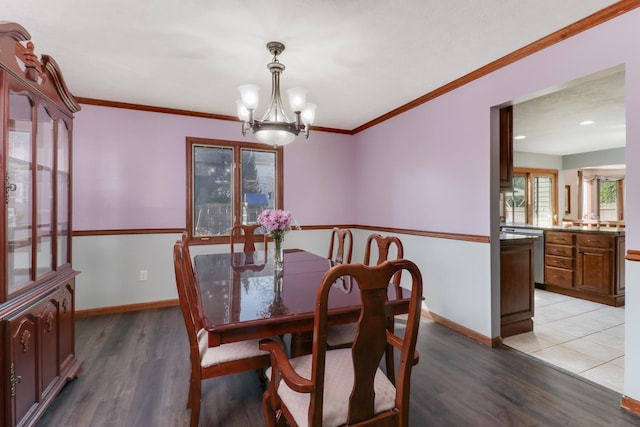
[44,192]
[18,193]
[64,183]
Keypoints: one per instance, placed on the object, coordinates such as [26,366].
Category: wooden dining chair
[342,239]
[208,362]
[384,245]
[341,336]
[246,234]
[346,386]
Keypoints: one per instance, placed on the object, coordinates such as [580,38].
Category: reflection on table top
[242,287]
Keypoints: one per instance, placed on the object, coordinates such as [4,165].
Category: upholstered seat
[212,356]
[338,379]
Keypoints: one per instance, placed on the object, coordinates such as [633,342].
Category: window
[601,196]
[229,183]
[533,199]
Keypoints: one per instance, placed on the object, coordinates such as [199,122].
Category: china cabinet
[37,281]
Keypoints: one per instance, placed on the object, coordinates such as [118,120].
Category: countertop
[616,231]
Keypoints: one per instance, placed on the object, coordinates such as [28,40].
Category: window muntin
[601,196]
[229,183]
[533,199]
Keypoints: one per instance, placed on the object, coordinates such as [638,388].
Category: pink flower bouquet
[276,220]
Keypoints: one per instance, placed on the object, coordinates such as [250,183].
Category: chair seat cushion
[338,384]
[341,334]
[210,356]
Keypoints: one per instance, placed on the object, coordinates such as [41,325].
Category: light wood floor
[136,374]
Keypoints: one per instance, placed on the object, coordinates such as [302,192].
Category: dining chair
[346,386]
[384,245]
[342,238]
[342,335]
[208,362]
[246,234]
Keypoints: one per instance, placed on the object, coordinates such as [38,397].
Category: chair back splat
[384,244]
[346,386]
[246,234]
[342,239]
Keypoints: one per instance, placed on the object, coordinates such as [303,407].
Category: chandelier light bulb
[297,98]
[243,113]
[249,95]
[308,114]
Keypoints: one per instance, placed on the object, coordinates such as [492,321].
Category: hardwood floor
[136,373]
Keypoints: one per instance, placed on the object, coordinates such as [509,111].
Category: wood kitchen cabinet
[587,264]
[597,267]
[506,148]
[37,281]
[559,259]
[516,285]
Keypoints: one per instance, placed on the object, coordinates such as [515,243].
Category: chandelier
[275,128]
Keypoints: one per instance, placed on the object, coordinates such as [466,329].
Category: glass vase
[278,255]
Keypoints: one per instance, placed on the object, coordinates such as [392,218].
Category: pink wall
[438,154]
[129,170]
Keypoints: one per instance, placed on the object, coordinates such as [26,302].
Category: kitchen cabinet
[516,284]
[586,263]
[37,281]
[506,148]
[597,270]
[559,259]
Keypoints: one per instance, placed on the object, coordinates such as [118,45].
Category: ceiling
[551,122]
[358,59]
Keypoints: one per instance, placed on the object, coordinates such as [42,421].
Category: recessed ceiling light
[586,122]
[520,137]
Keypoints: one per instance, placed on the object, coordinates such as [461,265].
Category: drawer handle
[555,276]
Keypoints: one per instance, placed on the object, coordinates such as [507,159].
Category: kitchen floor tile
[571,360]
[528,342]
[580,336]
[608,375]
[593,349]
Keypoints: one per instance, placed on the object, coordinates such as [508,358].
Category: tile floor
[580,336]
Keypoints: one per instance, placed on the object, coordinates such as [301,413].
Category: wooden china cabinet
[37,286]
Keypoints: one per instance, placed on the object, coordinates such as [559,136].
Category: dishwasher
[538,250]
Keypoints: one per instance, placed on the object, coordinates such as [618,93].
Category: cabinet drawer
[559,238]
[556,261]
[558,277]
[559,250]
[595,240]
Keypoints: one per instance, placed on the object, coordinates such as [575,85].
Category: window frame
[620,184]
[529,174]
[237,147]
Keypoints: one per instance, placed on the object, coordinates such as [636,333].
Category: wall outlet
[144,275]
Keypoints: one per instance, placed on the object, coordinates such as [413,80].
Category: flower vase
[278,255]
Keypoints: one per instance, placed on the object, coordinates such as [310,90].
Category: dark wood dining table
[243,297]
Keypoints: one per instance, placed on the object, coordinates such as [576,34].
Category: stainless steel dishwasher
[538,249]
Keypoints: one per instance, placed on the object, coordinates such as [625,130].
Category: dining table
[243,296]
